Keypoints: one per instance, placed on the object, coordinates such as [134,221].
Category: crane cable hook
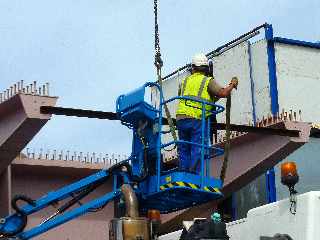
[159,63]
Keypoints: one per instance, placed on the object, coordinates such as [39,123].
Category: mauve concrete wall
[36,183]
[5,192]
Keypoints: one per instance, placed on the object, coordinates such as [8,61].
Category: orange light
[288,169]
[154,215]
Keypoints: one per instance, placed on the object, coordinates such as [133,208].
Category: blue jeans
[189,129]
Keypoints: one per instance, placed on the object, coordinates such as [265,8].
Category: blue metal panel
[272,70]
[234,207]
[296,42]
[271,186]
[131,99]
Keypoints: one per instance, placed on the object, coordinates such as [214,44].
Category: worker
[189,113]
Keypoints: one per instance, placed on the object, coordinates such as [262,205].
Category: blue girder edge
[296,42]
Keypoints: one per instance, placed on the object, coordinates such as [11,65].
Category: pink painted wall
[35,183]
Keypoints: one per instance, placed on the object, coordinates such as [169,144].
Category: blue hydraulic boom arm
[13,225]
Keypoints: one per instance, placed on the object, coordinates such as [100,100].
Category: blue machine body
[167,190]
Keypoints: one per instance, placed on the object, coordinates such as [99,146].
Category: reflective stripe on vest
[194,86]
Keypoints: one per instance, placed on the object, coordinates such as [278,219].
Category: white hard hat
[200,59]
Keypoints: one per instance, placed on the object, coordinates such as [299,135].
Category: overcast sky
[92,51]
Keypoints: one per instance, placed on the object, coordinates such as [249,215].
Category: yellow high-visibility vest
[194,86]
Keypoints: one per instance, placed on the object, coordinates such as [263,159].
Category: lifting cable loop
[227,144]
[159,63]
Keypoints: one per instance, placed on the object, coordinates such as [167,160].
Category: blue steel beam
[272,69]
[296,42]
[271,186]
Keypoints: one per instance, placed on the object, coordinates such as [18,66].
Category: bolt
[67,156]
[2,220]
[262,121]
[232,135]
[269,119]
[31,88]
[54,154]
[93,157]
[35,87]
[300,115]
[40,154]
[47,154]
[47,88]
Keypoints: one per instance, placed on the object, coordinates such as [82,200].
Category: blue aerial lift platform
[173,189]
[167,189]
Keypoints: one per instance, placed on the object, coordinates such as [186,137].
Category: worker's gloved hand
[234,82]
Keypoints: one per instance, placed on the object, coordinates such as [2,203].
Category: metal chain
[157,58]
[159,63]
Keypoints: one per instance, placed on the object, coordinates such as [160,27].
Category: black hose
[77,198]
[20,213]
[24,198]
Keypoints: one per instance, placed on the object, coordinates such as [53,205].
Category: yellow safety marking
[193,186]
[162,188]
[170,185]
[217,189]
[181,184]
[207,189]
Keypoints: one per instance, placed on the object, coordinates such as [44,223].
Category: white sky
[92,51]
